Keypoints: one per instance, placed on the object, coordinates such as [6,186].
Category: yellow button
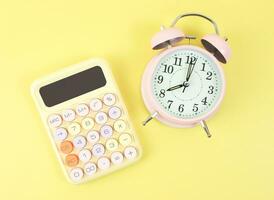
[111,144]
[87,123]
[74,128]
[119,126]
[125,139]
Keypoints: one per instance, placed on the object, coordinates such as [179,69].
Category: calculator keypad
[93,136]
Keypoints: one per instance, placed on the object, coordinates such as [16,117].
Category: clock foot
[205,127]
[150,118]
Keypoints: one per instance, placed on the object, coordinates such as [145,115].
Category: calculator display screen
[73,86]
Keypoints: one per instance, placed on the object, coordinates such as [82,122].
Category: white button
[125,139]
[117,157]
[60,134]
[106,131]
[103,163]
[111,144]
[76,174]
[55,120]
[68,115]
[74,128]
[87,123]
[120,126]
[130,153]
[85,155]
[96,104]
[82,110]
[114,112]
[90,168]
[79,142]
[101,118]
[109,99]
[93,136]
[98,150]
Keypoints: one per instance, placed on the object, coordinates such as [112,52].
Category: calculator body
[86,120]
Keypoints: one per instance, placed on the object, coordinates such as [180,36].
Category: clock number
[170,102]
[160,79]
[168,69]
[191,60]
[203,68]
[181,108]
[178,61]
[204,101]
[209,75]
[162,93]
[195,107]
[211,88]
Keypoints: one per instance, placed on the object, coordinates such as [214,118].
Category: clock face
[187,83]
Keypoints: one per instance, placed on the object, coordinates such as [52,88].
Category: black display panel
[73,86]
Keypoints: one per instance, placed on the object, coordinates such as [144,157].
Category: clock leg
[205,127]
[150,118]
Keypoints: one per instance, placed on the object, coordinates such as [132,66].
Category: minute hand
[189,71]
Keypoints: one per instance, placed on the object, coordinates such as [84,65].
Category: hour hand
[175,87]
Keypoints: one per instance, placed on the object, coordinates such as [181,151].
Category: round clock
[184,85]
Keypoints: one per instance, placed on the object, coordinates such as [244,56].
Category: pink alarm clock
[184,85]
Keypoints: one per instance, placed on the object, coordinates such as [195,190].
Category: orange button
[72,160]
[66,147]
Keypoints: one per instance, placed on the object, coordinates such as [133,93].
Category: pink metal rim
[153,106]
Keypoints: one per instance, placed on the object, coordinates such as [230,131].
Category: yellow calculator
[87,121]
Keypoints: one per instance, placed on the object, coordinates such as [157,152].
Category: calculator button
[117,157]
[106,131]
[87,123]
[72,160]
[98,150]
[96,104]
[125,139]
[119,126]
[93,137]
[68,115]
[82,110]
[79,142]
[109,99]
[103,163]
[76,174]
[60,134]
[54,120]
[111,144]
[130,153]
[101,118]
[85,155]
[74,128]
[66,147]
[114,112]
[90,168]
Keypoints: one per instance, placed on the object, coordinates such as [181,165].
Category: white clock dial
[187,83]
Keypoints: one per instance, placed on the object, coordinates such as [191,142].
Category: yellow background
[40,37]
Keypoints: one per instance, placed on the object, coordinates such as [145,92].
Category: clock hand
[185,85]
[190,70]
[175,87]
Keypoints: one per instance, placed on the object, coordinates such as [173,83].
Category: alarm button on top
[109,99]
